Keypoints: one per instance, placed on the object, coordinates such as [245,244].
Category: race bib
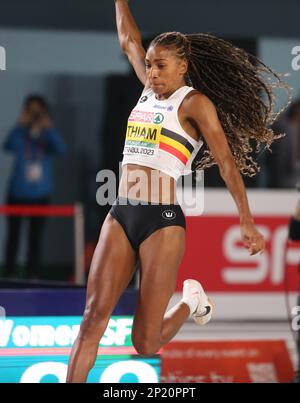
[142,138]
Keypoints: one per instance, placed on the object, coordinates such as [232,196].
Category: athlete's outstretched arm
[203,113]
[130,39]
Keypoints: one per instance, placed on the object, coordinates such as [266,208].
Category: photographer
[34,141]
[294,235]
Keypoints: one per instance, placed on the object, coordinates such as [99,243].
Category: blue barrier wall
[59,302]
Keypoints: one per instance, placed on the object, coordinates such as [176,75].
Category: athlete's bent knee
[146,348]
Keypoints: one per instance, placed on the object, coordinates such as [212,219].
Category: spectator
[35,142]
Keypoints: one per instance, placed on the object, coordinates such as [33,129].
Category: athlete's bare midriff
[149,184]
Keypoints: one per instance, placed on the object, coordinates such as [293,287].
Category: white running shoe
[204,310]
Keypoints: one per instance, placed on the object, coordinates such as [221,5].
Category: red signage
[226,362]
[216,256]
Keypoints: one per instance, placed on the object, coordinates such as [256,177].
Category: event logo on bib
[158,118]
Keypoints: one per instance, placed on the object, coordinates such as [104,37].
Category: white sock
[192,303]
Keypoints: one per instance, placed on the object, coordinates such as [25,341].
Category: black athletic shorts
[139,221]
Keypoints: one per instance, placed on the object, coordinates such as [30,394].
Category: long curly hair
[241,88]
